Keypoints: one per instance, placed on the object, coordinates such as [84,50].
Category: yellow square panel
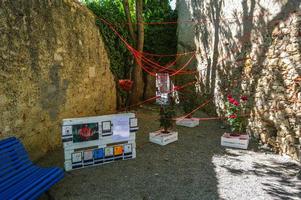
[118,150]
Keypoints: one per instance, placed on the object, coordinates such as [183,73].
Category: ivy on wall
[112,10]
[160,39]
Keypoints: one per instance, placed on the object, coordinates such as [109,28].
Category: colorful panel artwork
[77,157]
[121,128]
[133,122]
[67,130]
[88,155]
[85,132]
[109,151]
[98,153]
[118,150]
[127,149]
[106,126]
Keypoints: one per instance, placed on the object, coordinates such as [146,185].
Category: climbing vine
[159,39]
[113,11]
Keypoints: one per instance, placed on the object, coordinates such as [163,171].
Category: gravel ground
[195,167]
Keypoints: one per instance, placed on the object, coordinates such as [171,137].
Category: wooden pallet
[105,146]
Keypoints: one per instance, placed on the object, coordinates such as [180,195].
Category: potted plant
[166,118]
[236,118]
[166,135]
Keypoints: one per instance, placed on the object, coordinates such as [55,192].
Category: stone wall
[250,47]
[53,65]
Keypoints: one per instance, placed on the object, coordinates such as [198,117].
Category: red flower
[232,100]
[229,97]
[85,132]
[126,84]
[232,116]
[244,98]
[235,103]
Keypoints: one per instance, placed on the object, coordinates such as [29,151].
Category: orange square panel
[118,150]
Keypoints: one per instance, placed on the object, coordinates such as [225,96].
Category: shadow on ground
[195,167]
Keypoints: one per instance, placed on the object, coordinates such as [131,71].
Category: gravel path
[195,167]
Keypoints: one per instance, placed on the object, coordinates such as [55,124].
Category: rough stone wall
[53,65]
[250,47]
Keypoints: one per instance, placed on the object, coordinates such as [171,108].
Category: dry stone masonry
[53,65]
[251,48]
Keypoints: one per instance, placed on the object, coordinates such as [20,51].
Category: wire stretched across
[155,97]
[139,55]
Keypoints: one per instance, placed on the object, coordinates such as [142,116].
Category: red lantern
[126,84]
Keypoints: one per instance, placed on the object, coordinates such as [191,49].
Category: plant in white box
[166,117]
[235,114]
[166,135]
[236,119]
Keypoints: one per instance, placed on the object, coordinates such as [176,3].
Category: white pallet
[241,141]
[101,141]
[105,139]
[85,120]
[163,138]
[188,122]
[70,165]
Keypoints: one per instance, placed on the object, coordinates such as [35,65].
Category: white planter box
[188,122]
[241,141]
[163,138]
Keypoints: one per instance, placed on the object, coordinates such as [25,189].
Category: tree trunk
[138,86]
[127,11]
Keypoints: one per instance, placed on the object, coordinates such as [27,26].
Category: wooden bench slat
[11,161]
[18,148]
[48,186]
[7,145]
[29,183]
[7,140]
[9,193]
[17,151]
[44,184]
[11,170]
[18,176]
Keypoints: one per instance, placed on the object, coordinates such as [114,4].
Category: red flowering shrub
[234,113]
[125,84]
[233,116]
[244,98]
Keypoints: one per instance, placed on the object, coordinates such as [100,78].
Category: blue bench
[19,177]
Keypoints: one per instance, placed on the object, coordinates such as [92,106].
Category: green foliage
[112,11]
[233,118]
[160,39]
[234,114]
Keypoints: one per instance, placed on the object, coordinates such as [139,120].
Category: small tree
[166,116]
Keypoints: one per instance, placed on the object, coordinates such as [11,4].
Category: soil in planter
[235,134]
[165,132]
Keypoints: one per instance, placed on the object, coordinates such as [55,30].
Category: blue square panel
[98,153]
